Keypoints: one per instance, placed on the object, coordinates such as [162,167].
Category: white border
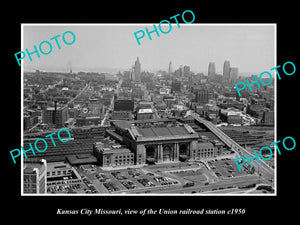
[146,24]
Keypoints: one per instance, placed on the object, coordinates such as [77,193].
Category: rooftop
[107,148]
[145,111]
[162,131]
[158,133]
[81,159]
[29,167]
[205,144]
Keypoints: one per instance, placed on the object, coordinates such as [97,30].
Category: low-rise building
[203,150]
[58,169]
[113,155]
[268,117]
[122,115]
[231,116]
[87,121]
[144,114]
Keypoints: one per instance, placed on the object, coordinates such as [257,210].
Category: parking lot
[65,185]
[119,181]
[197,176]
[225,168]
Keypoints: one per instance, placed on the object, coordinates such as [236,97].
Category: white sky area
[98,47]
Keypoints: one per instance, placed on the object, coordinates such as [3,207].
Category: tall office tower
[226,71]
[132,74]
[186,71]
[181,71]
[170,68]
[137,70]
[233,73]
[35,177]
[211,69]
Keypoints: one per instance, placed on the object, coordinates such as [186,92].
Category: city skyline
[251,48]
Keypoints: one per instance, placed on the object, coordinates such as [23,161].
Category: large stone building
[161,144]
[113,155]
[156,141]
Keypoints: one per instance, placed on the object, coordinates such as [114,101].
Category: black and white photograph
[163,117]
[139,113]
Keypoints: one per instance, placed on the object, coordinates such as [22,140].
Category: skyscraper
[211,69]
[137,70]
[233,73]
[132,74]
[170,68]
[226,71]
[181,71]
[186,71]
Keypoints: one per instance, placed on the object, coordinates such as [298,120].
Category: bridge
[263,167]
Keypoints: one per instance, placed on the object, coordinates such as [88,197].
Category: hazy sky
[248,47]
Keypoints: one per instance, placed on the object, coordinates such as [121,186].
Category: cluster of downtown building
[133,118]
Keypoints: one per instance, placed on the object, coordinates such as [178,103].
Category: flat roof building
[81,159]
[113,155]
[160,144]
[35,177]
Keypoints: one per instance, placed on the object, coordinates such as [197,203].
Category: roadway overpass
[262,167]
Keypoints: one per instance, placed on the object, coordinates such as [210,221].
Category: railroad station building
[150,142]
[161,144]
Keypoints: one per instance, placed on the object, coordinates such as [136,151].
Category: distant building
[258,101]
[122,115]
[268,117]
[211,70]
[144,114]
[231,116]
[87,121]
[123,105]
[256,111]
[112,77]
[126,75]
[170,102]
[170,68]
[29,121]
[234,72]
[202,96]
[136,75]
[56,116]
[35,177]
[176,86]
[226,71]
[88,132]
[231,103]
[164,91]
[186,71]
